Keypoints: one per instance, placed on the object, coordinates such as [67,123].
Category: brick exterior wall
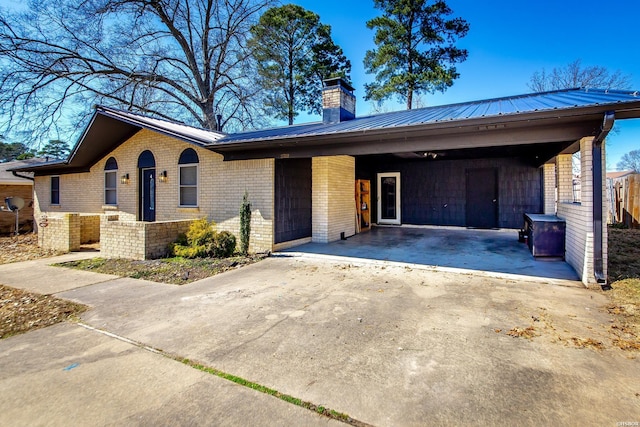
[579,216]
[220,188]
[564,178]
[333,197]
[549,189]
[25,215]
[89,228]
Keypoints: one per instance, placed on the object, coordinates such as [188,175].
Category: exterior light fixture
[124,179]
[163,176]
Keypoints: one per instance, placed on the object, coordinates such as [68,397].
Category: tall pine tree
[294,52]
[416,49]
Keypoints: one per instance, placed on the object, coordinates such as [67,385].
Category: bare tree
[175,59]
[630,161]
[575,75]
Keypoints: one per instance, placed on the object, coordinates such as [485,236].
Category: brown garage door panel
[292,199]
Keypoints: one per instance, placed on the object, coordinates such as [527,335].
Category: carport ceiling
[533,154]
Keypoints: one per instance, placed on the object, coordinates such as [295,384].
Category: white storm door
[389,198]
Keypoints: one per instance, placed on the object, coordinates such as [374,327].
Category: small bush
[223,245]
[203,241]
[190,251]
[201,232]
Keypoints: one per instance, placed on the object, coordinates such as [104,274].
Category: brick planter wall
[138,240]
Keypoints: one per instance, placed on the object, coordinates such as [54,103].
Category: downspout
[598,263]
[22,176]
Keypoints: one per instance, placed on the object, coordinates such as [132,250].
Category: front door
[148,195]
[389,198]
[482,198]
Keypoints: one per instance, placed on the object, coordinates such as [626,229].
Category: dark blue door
[482,198]
[148,195]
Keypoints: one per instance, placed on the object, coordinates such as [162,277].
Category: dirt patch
[624,276]
[22,248]
[176,271]
[21,311]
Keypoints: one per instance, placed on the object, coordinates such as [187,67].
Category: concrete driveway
[385,344]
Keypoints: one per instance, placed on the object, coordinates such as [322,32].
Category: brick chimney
[338,101]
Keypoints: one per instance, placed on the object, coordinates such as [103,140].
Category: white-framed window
[55,190]
[188,177]
[111,182]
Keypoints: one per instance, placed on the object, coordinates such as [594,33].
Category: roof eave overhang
[523,128]
[140,124]
[107,130]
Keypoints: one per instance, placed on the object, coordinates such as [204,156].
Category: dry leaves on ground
[21,311]
[22,248]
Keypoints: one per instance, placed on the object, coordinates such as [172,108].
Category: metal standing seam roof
[536,102]
[110,126]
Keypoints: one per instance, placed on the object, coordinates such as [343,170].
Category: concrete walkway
[384,343]
[42,277]
[494,252]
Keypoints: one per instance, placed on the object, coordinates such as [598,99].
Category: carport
[491,251]
[478,164]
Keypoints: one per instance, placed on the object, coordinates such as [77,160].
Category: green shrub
[223,245]
[203,241]
[190,251]
[201,232]
[245,223]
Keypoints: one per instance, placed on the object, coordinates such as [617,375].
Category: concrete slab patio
[388,344]
[492,251]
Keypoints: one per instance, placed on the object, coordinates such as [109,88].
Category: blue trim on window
[111,164]
[188,156]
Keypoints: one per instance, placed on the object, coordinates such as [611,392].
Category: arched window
[110,182]
[188,171]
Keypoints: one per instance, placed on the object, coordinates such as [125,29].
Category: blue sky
[508,41]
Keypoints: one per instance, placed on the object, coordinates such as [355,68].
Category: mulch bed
[175,271]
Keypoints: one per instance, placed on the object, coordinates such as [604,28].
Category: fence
[624,200]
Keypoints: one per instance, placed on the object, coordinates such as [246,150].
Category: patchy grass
[176,271]
[624,277]
[22,311]
[624,254]
[22,248]
[327,412]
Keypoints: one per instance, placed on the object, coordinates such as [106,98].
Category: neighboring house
[16,185]
[478,164]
